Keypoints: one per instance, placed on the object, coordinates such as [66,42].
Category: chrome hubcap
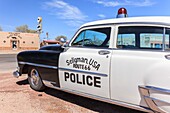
[34,77]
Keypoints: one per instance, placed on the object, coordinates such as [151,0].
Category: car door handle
[167,57]
[104,52]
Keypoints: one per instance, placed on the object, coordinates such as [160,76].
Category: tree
[24,29]
[58,38]
[31,31]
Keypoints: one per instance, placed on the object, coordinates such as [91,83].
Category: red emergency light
[122,13]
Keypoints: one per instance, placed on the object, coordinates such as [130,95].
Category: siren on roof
[122,13]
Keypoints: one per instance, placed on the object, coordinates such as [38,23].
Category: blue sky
[64,17]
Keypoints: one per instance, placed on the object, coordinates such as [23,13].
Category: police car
[123,61]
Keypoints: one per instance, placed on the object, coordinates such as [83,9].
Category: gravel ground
[17,97]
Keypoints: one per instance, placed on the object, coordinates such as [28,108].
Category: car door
[138,61]
[84,66]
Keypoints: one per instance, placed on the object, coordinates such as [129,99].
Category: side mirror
[65,45]
[62,40]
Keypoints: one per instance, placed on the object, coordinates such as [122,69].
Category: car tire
[35,80]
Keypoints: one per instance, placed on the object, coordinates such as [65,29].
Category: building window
[4,41]
[32,42]
[24,42]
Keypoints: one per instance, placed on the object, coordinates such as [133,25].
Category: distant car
[123,61]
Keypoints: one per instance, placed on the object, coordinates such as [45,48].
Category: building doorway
[14,45]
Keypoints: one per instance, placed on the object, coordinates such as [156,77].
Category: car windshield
[98,37]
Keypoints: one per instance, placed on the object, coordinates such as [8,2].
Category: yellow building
[19,41]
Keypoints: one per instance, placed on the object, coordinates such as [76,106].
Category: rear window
[141,37]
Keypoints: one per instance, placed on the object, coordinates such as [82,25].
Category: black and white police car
[123,61]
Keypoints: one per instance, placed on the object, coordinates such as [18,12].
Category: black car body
[45,59]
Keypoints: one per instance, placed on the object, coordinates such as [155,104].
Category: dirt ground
[16,96]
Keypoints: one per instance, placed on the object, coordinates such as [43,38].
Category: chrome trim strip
[150,101]
[125,23]
[48,83]
[39,65]
[87,72]
[163,41]
[154,23]
[119,103]
[158,89]
[155,99]
[66,69]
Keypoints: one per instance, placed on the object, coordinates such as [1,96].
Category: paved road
[7,63]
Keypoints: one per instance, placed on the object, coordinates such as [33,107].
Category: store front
[19,41]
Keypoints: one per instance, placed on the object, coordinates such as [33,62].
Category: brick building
[19,41]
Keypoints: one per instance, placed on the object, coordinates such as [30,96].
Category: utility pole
[39,27]
[47,35]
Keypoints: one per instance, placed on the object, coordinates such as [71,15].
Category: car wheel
[34,79]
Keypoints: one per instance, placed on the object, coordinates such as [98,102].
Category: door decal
[83,79]
[83,63]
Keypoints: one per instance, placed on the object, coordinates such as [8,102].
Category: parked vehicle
[123,61]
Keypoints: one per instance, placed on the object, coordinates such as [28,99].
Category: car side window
[141,37]
[98,37]
[126,40]
[151,40]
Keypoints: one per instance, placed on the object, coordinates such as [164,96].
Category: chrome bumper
[151,101]
[16,74]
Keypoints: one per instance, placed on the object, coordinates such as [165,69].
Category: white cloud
[74,23]
[108,4]
[65,11]
[139,3]
[101,16]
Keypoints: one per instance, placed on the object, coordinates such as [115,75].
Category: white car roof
[165,20]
